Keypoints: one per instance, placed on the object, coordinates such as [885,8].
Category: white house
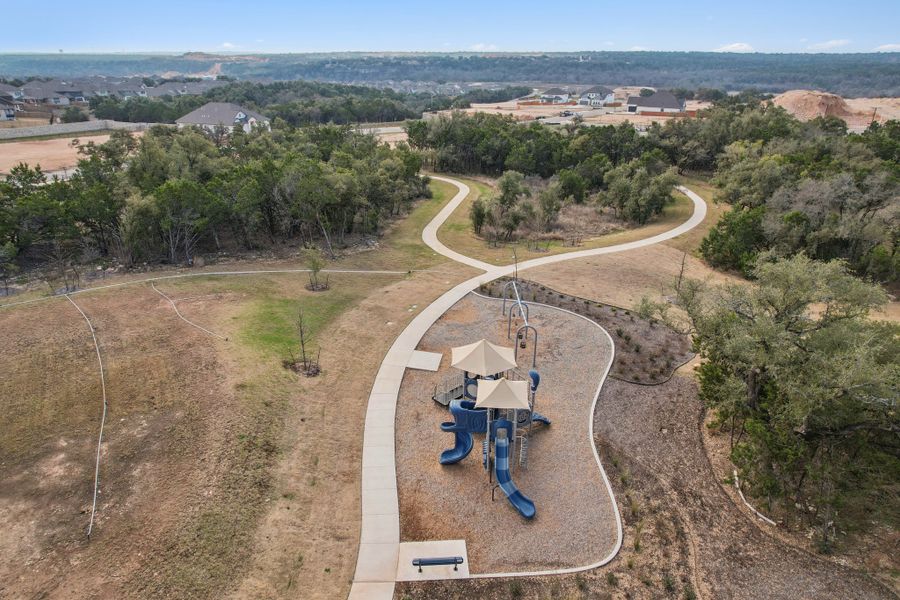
[555,96]
[597,96]
[228,115]
[663,102]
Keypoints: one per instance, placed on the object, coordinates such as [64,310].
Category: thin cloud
[829,45]
[638,49]
[482,47]
[735,47]
[228,45]
[888,48]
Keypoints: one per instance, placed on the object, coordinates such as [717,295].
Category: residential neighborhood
[54,93]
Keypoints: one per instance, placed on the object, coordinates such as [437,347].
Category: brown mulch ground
[575,524]
[646,351]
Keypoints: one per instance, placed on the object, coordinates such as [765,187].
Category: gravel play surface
[575,523]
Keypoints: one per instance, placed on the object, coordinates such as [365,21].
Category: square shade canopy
[483,358]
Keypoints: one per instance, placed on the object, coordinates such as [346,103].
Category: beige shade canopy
[483,358]
[502,393]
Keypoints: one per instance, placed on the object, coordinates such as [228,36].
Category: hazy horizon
[279,26]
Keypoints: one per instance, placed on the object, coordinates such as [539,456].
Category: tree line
[170,193]
[300,103]
[795,187]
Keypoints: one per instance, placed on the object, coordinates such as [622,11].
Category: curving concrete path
[379,547]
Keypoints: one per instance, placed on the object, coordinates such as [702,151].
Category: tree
[550,201]
[315,263]
[645,92]
[635,193]
[8,266]
[73,114]
[181,207]
[736,240]
[511,186]
[572,185]
[478,215]
[807,385]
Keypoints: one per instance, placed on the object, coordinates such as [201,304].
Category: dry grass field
[23,122]
[212,450]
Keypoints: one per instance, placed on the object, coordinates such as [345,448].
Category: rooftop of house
[555,92]
[657,100]
[597,89]
[220,113]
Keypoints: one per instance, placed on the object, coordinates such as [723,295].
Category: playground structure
[521,311]
[490,397]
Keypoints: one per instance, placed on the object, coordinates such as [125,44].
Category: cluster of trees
[300,103]
[145,110]
[794,186]
[807,386]
[479,96]
[491,144]
[811,189]
[611,166]
[170,192]
[73,114]
[635,191]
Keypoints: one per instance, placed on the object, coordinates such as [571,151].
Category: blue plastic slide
[466,421]
[520,501]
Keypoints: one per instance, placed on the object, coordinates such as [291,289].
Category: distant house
[597,96]
[555,96]
[228,115]
[8,108]
[659,102]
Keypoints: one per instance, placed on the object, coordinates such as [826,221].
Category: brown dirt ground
[279,526]
[575,524]
[151,441]
[809,104]
[888,108]
[52,155]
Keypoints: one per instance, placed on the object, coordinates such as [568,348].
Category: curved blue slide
[466,421]
[520,501]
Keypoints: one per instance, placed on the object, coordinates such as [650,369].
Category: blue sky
[292,26]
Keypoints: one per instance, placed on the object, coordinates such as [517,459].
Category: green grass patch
[269,325]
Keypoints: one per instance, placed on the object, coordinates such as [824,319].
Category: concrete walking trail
[379,547]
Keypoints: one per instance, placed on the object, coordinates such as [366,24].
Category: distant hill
[845,74]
